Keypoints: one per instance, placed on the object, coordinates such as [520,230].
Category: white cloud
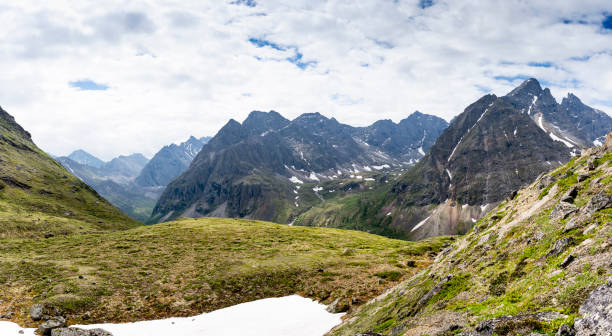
[180,68]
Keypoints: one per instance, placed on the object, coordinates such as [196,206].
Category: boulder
[79,332]
[368,334]
[570,195]
[607,146]
[598,202]
[583,177]
[519,324]
[563,209]
[36,312]
[339,306]
[560,246]
[53,323]
[596,313]
[545,181]
[565,330]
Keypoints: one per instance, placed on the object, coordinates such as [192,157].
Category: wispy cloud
[183,68]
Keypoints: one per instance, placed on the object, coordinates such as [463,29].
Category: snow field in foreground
[287,316]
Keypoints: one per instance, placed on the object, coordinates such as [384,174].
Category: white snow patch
[366,168]
[315,189]
[474,220]
[369,179]
[596,142]
[464,206]
[483,207]
[339,172]
[297,187]
[296,204]
[359,177]
[295,191]
[421,151]
[313,177]
[9,329]
[381,167]
[296,180]
[515,131]
[264,133]
[540,124]
[535,98]
[388,214]
[449,174]
[420,224]
[287,316]
[302,155]
[556,138]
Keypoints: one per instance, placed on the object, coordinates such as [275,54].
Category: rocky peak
[571,99]
[258,122]
[528,88]
[8,122]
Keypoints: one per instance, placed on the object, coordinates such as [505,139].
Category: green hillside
[545,250]
[39,197]
[193,265]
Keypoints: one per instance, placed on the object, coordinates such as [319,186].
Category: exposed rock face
[8,122]
[170,162]
[244,170]
[488,152]
[596,312]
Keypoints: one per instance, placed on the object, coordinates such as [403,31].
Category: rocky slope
[170,162]
[539,262]
[253,169]
[39,197]
[490,150]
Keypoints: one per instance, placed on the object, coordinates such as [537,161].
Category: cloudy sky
[117,77]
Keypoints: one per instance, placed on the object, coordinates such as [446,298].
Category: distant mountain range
[170,162]
[497,145]
[38,197]
[250,169]
[133,183]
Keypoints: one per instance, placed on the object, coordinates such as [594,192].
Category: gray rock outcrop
[596,313]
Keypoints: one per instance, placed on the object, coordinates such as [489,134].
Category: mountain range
[423,178]
[496,146]
[251,169]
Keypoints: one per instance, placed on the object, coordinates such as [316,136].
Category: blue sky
[134,77]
